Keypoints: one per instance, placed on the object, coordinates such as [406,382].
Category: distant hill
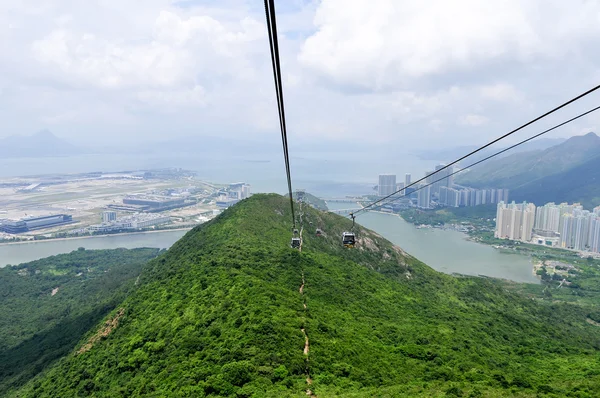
[312,200]
[522,168]
[448,155]
[40,144]
[578,184]
[231,310]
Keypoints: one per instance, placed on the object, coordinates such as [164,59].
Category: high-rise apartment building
[594,235]
[435,188]
[444,176]
[429,178]
[246,191]
[527,221]
[424,196]
[515,221]
[407,179]
[547,218]
[453,197]
[108,216]
[450,179]
[400,187]
[387,184]
[572,226]
[443,196]
[239,190]
[578,230]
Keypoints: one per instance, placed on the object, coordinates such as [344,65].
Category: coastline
[93,236]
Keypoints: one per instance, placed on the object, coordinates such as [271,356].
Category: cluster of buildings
[451,197]
[157,201]
[150,203]
[110,222]
[515,221]
[34,223]
[233,194]
[439,190]
[567,226]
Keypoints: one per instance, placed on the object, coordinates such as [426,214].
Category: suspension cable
[274,48]
[500,152]
[482,147]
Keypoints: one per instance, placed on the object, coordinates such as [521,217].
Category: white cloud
[63,117]
[109,65]
[500,92]
[473,120]
[395,71]
[387,44]
[172,55]
[173,99]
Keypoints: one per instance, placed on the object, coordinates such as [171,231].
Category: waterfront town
[565,226]
[58,206]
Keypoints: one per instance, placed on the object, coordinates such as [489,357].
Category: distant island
[41,144]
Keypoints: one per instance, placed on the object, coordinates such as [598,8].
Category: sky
[415,74]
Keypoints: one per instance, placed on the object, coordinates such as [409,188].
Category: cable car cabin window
[348,239]
[295,243]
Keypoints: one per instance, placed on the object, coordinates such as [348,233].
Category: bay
[17,253]
[446,251]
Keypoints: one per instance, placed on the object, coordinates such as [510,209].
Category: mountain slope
[448,155]
[40,144]
[521,168]
[49,304]
[222,314]
[579,184]
[312,200]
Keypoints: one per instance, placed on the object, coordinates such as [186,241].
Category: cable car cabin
[295,243]
[319,232]
[348,239]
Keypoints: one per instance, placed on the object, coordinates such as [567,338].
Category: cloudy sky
[426,73]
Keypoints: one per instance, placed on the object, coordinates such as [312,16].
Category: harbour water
[17,253]
[322,174]
[444,250]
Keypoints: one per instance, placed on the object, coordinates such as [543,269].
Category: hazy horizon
[441,75]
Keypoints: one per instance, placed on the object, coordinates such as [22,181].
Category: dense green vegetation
[221,314]
[582,275]
[523,168]
[49,304]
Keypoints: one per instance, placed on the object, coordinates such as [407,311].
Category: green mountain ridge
[225,311]
[312,200]
[520,169]
[578,184]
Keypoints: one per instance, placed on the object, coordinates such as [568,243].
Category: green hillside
[49,304]
[312,200]
[579,184]
[521,168]
[225,311]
